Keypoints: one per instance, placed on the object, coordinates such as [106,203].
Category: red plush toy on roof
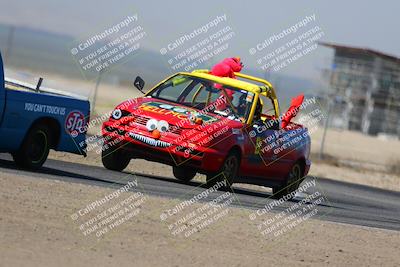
[227,67]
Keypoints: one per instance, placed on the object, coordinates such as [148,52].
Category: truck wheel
[228,171]
[295,177]
[183,174]
[114,158]
[34,149]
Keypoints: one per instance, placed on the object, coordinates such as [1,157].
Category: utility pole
[332,78]
[96,89]
[326,124]
[10,40]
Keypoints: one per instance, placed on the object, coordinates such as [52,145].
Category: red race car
[200,123]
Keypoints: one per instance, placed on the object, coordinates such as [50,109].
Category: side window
[268,107]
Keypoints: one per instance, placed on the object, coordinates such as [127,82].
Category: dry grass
[394,167]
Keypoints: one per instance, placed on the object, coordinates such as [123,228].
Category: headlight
[151,124]
[116,114]
[163,126]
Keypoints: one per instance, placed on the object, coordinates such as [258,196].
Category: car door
[282,154]
[263,159]
[266,159]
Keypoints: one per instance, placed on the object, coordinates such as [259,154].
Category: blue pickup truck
[33,121]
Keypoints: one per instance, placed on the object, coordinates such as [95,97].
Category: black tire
[228,171]
[294,179]
[114,158]
[34,149]
[183,174]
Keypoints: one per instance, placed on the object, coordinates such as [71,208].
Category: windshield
[206,95]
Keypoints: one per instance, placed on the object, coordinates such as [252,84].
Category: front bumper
[140,144]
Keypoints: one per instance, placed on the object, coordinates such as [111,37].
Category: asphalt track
[345,202]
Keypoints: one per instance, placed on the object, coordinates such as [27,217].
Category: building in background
[366,84]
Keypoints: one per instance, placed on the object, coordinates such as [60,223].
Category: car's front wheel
[114,158]
[183,174]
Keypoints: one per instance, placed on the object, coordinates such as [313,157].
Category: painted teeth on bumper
[149,141]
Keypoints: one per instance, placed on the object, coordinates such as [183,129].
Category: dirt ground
[37,230]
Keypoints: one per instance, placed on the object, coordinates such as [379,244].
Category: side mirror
[139,83]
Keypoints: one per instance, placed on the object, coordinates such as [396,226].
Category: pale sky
[372,24]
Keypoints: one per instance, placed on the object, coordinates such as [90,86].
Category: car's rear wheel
[114,158]
[228,171]
[294,178]
[34,149]
[183,174]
